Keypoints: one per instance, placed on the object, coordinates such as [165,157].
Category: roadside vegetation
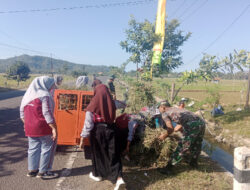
[11,84]
[208,176]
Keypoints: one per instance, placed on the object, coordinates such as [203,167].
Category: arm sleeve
[165,117]
[47,111]
[88,124]
[21,113]
[131,129]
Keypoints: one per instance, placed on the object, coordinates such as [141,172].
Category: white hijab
[38,88]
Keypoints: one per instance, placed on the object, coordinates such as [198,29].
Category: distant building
[216,80]
[100,73]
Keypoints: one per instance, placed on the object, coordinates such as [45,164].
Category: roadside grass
[7,85]
[236,122]
[224,85]
[227,98]
[208,176]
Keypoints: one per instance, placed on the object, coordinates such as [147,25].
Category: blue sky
[92,36]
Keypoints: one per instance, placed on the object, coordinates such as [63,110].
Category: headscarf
[96,82]
[102,104]
[58,79]
[39,87]
[82,81]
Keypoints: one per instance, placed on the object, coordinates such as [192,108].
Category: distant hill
[40,64]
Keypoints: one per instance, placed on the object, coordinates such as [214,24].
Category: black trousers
[106,160]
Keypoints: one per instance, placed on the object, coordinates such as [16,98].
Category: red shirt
[122,121]
[35,124]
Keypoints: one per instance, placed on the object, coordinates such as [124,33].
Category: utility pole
[51,65]
[160,30]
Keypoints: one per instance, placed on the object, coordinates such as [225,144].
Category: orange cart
[70,109]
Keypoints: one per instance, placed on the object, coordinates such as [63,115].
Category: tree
[76,74]
[64,69]
[209,66]
[140,38]
[239,60]
[18,71]
[234,62]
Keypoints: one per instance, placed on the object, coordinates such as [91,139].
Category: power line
[25,49]
[221,34]
[12,38]
[189,7]
[194,11]
[179,7]
[107,5]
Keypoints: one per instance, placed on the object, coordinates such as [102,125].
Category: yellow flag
[160,30]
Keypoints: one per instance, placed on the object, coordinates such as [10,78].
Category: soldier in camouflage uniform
[111,86]
[193,129]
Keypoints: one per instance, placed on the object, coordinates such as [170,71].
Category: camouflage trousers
[189,147]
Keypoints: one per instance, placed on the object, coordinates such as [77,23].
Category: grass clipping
[151,152]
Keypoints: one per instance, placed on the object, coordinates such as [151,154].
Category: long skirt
[189,147]
[122,136]
[106,160]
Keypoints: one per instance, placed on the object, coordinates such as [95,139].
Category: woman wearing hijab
[99,126]
[36,112]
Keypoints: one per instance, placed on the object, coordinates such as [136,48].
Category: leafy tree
[18,71]
[235,62]
[77,73]
[209,66]
[239,61]
[174,39]
[64,69]
[140,37]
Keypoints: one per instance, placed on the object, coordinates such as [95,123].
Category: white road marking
[66,172]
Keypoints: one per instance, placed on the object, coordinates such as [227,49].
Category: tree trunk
[137,71]
[248,89]
[172,92]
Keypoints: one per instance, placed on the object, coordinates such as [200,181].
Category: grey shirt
[88,124]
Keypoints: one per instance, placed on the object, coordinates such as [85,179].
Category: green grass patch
[237,122]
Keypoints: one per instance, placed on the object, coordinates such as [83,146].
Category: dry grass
[208,177]
[6,85]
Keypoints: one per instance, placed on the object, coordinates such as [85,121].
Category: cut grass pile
[150,151]
[208,176]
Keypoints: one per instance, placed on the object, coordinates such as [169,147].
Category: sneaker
[47,175]
[120,184]
[91,176]
[32,174]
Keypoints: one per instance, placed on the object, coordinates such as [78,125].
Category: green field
[232,91]
[232,96]
[6,84]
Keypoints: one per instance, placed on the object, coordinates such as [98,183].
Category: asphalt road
[71,166]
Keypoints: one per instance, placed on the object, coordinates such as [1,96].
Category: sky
[92,35]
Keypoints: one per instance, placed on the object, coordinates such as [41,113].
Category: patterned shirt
[179,116]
